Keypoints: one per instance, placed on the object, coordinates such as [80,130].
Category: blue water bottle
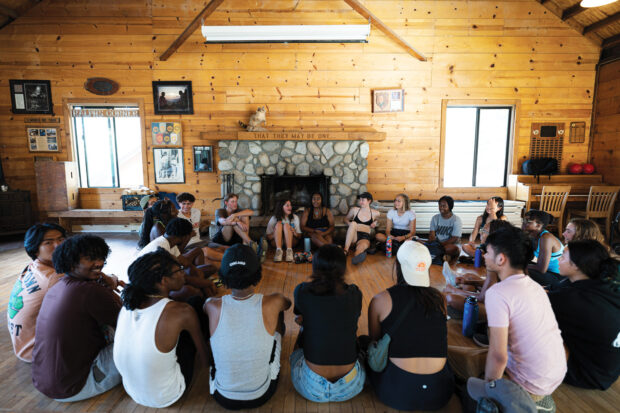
[470,316]
[478,258]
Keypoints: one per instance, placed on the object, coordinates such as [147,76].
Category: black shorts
[363,235]
[399,232]
[219,238]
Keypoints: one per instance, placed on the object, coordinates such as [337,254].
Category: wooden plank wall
[606,143]
[512,50]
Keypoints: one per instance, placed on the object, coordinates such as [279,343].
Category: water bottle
[388,247]
[470,316]
[478,258]
[306,244]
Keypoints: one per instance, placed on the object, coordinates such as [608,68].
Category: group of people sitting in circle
[65,315]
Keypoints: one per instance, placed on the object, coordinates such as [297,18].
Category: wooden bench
[104,216]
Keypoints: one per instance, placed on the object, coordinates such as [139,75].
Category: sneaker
[448,274]
[263,247]
[546,404]
[358,259]
[481,340]
[254,246]
[278,255]
[289,255]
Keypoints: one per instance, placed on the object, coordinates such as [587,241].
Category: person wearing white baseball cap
[417,375]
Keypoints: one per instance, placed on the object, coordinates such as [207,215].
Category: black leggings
[402,390]
[247,404]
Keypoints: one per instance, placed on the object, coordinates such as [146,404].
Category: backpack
[540,166]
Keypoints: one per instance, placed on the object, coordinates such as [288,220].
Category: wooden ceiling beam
[206,12]
[602,23]
[611,41]
[8,12]
[572,11]
[374,20]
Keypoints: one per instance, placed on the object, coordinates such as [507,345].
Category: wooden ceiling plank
[572,11]
[206,12]
[602,23]
[8,12]
[367,14]
[611,41]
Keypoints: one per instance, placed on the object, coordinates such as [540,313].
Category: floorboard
[18,394]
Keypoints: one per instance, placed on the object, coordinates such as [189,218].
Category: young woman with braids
[155,220]
[156,338]
[325,367]
[588,314]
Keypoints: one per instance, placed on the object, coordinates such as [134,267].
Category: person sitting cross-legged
[317,222]
[525,343]
[401,222]
[446,229]
[588,313]
[325,367]
[156,338]
[283,229]
[246,334]
[361,220]
[233,223]
[38,277]
[72,356]
[178,233]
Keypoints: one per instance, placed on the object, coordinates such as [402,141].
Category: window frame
[68,105]
[510,166]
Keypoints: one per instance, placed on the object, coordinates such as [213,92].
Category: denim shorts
[318,389]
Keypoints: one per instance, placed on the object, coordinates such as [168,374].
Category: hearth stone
[363,177]
[313,148]
[341,147]
[328,150]
[301,148]
[364,149]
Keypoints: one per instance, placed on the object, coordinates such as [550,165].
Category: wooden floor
[18,394]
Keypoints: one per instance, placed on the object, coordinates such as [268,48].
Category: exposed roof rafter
[602,23]
[572,11]
[8,12]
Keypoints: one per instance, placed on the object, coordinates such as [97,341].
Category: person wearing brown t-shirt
[72,356]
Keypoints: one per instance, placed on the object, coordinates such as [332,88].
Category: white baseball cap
[415,261]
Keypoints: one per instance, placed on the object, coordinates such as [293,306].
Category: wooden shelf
[296,135]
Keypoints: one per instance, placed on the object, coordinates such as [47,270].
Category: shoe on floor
[481,340]
[278,256]
[263,247]
[358,259]
[254,246]
[546,405]
[448,274]
[454,313]
[289,255]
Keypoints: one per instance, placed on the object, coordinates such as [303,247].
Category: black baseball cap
[238,261]
[366,195]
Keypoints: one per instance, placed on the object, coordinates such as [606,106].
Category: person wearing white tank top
[152,352]
[246,334]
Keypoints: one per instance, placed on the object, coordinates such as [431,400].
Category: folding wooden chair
[601,201]
[553,201]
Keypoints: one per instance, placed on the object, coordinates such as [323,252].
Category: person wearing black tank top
[417,375]
[317,222]
[361,220]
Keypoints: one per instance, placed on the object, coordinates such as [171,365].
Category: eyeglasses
[181,268]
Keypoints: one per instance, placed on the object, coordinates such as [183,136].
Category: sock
[448,274]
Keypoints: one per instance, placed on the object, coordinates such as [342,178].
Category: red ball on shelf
[575,169]
[588,168]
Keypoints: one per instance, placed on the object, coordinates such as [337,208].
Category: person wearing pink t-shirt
[31,286]
[525,342]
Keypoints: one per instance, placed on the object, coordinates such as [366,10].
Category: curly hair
[35,235]
[144,273]
[541,216]
[68,254]
[449,200]
[185,196]
[329,265]
[179,227]
[586,229]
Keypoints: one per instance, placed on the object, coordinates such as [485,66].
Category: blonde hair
[586,229]
[405,199]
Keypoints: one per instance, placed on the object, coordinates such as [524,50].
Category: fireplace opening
[298,189]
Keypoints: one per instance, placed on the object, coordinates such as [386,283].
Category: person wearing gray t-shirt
[446,228]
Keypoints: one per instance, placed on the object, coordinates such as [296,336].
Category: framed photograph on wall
[166,133]
[173,98]
[43,139]
[169,165]
[31,96]
[203,158]
[388,100]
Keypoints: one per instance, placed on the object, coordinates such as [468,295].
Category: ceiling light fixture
[595,3]
[346,33]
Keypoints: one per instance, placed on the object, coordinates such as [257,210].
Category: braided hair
[144,273]
[161,210]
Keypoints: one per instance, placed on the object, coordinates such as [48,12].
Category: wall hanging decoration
[31,96]
[101,86]
[169,165]
[43,139]
[388,100]
[577,132]
[173,98]
[203,158]
[166,133]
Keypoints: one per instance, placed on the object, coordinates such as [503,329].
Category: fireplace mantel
[296,135]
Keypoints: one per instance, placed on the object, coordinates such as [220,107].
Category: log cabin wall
[606,136]
[476,50]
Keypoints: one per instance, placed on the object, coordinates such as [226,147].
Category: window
[476,146]
[108,143]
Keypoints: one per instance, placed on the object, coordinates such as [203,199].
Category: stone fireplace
[340,169]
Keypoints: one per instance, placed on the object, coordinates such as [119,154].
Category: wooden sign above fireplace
[296,135]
